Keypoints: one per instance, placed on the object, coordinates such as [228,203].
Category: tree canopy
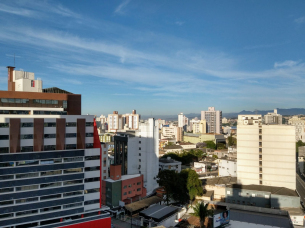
[186,157]
[182,186]
[232,141]
[210,145]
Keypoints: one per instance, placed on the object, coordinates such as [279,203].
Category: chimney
[11,83]
[134,112]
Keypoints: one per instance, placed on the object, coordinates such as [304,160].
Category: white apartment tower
[265,153]
[138,151]
[273,118]
[213,119]
[182,121]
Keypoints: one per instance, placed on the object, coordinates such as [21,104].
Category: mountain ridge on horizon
[282,111]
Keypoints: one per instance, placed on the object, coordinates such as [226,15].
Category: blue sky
[160,57]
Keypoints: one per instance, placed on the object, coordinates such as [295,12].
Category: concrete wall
[279,201]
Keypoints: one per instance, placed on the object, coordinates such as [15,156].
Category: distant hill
[282,111]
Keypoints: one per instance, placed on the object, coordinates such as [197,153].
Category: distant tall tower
[213,119]
[182,121]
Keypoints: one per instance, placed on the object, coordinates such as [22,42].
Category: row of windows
[41,162]
[50,113]
[49,124]
[58,221]
[130,185]
[41,186]
[47,209]
[46,148]
[129,192]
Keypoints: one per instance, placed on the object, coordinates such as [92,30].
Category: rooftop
[55,90]
[172,147]
[143,203]
[220,181]
[159,212]
[166,160]
[265,188]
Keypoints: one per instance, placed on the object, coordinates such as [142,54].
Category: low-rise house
[187,145]
[169,164]
[172,148]
[218,185]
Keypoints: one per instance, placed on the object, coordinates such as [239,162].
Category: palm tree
[202,211]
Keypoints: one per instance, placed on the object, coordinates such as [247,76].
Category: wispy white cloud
[300,20]
[121,9]
[287,63]
[73,81]
[36,9]
[123,94]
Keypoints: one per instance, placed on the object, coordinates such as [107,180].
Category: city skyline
[151,56]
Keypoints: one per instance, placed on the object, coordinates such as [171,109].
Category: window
[129,192]
[228,192]
[50,185]
[139,148]
[125,193]
[260,182]
[4,125]
[92,190]
[260,150]
[26,175]
[50,173]
[49,147]
[91,179]
[92,158]
[29,162]
[27,200]
[6,164]
[50,209]
[139,142]
[27,124]
[2,203]
[26,136]
[64,104]
[71,124]
[89,124]
[50,124]
[72,205]
[260,156]
[73,182]
[139,189]
[73,159]
[70,146]
[92,202]
[4,150]
[261,169]
[22,213]
[6,215]
[89,134]
[50,161]
[74,170]
[72,193]
[260,131]
[4,137]
[129,186]
[125,186]
[96,168]
[139,154]
[139,183]
[6,177]
[139,160]
[71,135]
[260,163]
[89,145]
[28,187]
[26,149]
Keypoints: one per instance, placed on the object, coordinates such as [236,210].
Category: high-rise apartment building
[213,119]
[137,152]
[265,153]
[299,125]
[273,118]
[182,121]
[171,132]
[51,161]
[117,122]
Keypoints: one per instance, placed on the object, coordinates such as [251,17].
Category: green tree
[168,179]
[202,211]
[231,141]
[210,144]
[221,146]
[192,183]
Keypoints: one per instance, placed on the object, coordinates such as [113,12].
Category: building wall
[176,166]
[213,120]
[277,156]
[132,187]
[227,168]
[280,201]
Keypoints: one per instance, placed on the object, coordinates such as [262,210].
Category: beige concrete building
[273,118]
[213,120]
[172,132]
[299,127]
[200,127]
[115,122]
[131,121]
[193,138]
[265,153]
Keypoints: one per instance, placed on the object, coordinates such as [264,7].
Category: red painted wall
[133,187]
[101,223]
